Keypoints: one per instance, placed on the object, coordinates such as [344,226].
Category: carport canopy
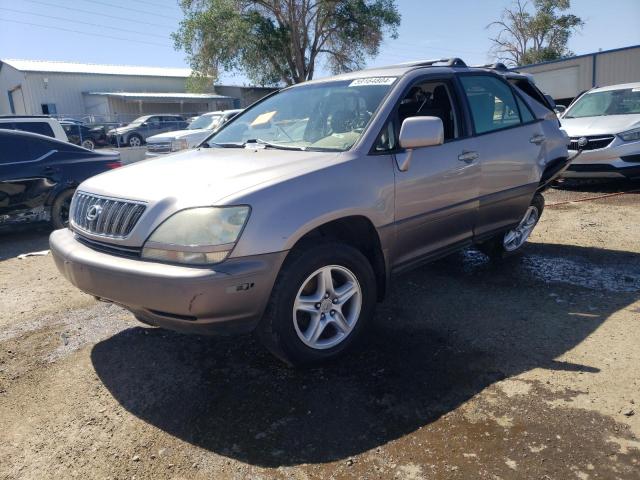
[140,103]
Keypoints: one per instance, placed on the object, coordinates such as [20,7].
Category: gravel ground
[527,369]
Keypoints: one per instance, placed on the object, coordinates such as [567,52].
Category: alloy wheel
[515,238]
[327,307]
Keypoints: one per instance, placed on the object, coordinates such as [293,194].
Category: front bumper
[618,160]
[228,299]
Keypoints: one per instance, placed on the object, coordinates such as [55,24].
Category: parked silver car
[605,124]
[290,220]
[199,129]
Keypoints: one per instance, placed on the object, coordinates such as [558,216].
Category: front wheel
[322,300]
[60,209]
[135,141]
[511,242]
[88,144]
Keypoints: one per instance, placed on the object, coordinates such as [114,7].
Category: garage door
[562,83]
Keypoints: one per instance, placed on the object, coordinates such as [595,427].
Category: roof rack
[447,62]
[494,66]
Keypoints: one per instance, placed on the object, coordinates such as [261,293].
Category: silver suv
[290,220]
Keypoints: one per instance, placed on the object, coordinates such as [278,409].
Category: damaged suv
[290,220]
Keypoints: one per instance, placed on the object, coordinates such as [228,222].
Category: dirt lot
[528,369]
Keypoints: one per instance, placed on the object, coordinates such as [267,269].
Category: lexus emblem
[94,212]
[582,141]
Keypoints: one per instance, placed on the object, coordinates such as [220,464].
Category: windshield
[324,116]
[205,121]
[612,102]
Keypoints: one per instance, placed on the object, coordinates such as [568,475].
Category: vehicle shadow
[446,332]
[18,240]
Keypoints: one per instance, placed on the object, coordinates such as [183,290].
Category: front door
[436,198]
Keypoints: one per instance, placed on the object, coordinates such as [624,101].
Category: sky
[137,32]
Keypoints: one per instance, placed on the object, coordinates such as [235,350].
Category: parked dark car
[87,137]
[38,176]
[135,134]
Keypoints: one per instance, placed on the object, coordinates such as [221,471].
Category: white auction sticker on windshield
[362,82]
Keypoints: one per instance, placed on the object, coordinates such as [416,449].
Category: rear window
[42,128]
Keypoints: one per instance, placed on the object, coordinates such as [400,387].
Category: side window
[153,120]
[18,148]
[424,99]
[13,149]
[525,113]
[493,106]
[387,140]
[42,128]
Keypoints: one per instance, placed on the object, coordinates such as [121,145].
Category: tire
[135,140]
[500,247]
[88,144]
[284,325]
[60,209]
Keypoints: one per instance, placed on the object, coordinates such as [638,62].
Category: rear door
[25,178]
[509,143]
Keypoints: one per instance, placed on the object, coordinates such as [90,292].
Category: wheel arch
[552,170]
[357,231]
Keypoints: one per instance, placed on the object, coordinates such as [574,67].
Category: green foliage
[526,36]
[281,41]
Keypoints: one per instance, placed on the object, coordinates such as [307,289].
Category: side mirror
[560,109]
[419,132]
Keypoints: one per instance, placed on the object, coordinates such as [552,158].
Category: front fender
[284,212]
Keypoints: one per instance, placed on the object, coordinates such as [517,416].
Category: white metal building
[81,90]
[565,79]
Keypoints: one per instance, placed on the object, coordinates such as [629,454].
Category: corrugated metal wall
[618,67]
[559,78]
[66,90]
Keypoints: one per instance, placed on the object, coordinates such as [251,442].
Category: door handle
[50,169]
[468,156]
[537,139]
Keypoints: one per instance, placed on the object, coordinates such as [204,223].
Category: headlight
[179,144]
[630,135]
[203,235]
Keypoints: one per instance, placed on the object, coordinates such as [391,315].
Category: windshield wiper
[279,146]
[224,145]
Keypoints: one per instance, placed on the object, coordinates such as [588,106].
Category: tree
[528,37]
[282,41]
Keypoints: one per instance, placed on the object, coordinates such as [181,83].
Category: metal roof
[160,95]
[92,68]
[560,60]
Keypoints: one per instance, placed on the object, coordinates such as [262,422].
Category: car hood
[205,176]
[188,134]
[602,125]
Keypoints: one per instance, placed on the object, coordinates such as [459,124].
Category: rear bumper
[228,299]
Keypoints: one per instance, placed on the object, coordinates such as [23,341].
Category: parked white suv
[195,133]
[42,124]
[605,124]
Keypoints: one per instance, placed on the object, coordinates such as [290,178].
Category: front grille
[129,252]
[108,217]
[593,143]
[159,147]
